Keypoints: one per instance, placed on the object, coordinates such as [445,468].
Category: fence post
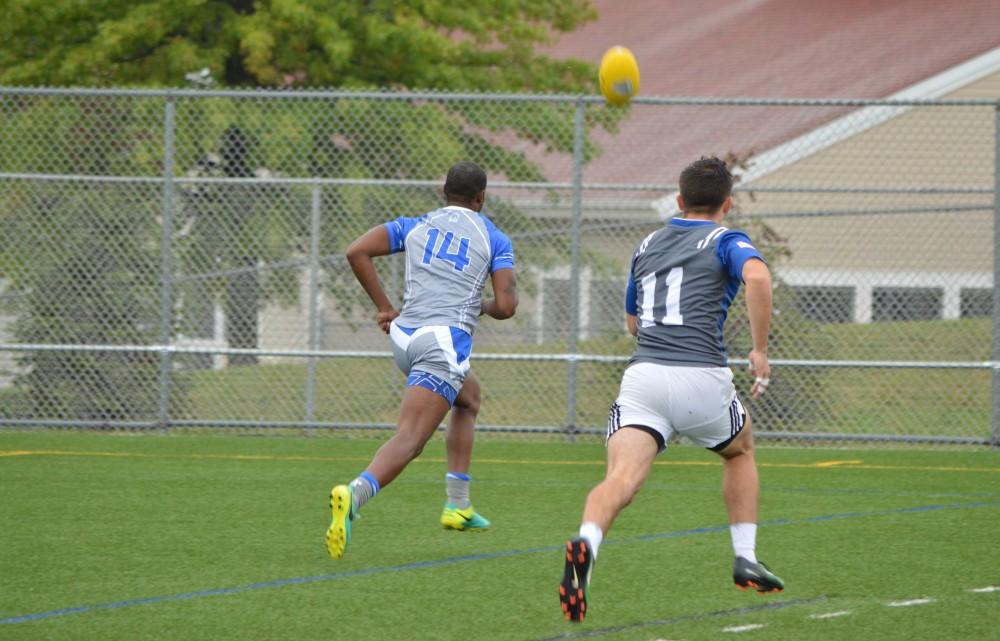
[314,324]
[574,267]
[995,354]
[167,263]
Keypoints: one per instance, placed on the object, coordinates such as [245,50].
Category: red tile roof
[764,49]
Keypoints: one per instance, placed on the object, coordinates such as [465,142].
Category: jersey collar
[690,222]
[459,207]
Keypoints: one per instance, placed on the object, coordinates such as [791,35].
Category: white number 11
[673,314]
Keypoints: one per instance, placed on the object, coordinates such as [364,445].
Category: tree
[479,45]
[87,278]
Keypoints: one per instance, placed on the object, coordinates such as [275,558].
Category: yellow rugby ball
[618,75]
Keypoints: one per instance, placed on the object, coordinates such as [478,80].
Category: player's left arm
[374,242]
[743,262]
[504,301]
[757,279]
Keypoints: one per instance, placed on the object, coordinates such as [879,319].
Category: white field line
[988,588]
[830,615]
[904,604]
[743,628]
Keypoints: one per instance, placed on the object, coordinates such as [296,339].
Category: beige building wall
[869,238]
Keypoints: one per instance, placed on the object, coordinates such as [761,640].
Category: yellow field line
[853,464]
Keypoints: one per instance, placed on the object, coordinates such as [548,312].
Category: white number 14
[672,282]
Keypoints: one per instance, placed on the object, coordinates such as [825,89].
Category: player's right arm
[374,242]
[504,301]
[757,280]
[631,306]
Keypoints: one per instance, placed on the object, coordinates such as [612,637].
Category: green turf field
[113,536]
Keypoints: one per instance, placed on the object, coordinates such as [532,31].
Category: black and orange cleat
[576,579]
[747,574]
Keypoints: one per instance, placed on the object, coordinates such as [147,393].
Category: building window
[976,301]
[825,304]
[906,303]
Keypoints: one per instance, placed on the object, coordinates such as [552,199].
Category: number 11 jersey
[684,277]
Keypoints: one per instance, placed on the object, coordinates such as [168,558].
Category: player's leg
[709,412]
[631,452]
[740,491]
[740,485]
[637,431]
[461,424]
[458,513]
[429,356]
[421,411]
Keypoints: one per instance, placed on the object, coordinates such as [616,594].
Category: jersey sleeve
[501,249]
[631,294]
[734,249]
[398,230]
[631,297]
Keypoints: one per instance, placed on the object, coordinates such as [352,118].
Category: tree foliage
[481,45]
[99,287]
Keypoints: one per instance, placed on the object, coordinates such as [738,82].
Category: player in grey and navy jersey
[688,274]
[682,280]
[450,252]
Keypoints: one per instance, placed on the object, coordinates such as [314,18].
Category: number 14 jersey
[449,254]
[684,277]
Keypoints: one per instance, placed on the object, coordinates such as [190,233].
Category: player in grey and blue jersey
[683,278]
[450,252]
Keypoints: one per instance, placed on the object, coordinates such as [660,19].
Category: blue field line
[277,583]
[684,618]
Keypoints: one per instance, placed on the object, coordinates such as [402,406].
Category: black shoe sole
[574,600]
[760,588]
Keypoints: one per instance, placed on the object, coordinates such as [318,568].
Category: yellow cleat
[339,533]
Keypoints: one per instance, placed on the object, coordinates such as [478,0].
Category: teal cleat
[453,518]
[339,533]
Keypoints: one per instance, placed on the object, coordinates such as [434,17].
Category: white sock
[457,487]
[592,533]
[744,540]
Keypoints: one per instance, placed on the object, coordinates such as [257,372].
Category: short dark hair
[705,184]
[465,180]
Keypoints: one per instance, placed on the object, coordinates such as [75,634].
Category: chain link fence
[174,259]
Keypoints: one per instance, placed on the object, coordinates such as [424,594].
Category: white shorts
[699,403]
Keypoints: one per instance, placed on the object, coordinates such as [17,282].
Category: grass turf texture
[97,519]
